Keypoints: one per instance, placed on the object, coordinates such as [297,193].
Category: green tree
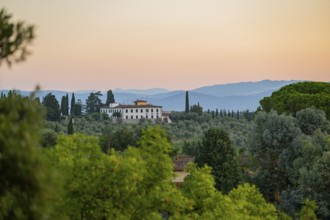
[26,181]
[187,102]
[78,108]
[245,202]
[118,140]
[65,105]
[14,39]
[216,151]
[110,97]
[197,109]
[134,185]
[308,211]
[271,146]
[52,106]
[70,126]
[73,103]
[294,97]
[48,138]
[311,119]
[93,102]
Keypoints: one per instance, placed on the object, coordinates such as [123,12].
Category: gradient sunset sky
[173,44]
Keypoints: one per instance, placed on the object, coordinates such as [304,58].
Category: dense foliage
[216,151]
[26,181]
[297,96]
[138,184]
[53,112]
[130,176]
[14,39]
[292,164]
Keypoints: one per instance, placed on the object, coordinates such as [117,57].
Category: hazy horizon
[186,44]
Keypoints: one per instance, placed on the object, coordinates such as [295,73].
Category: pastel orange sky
[181,44]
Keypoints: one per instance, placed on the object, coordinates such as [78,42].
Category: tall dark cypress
[67,104]
[110,97]
[63,105]
[187,102]
[73,103]
[70,126]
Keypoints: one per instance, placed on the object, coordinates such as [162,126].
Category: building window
[152,110]
[131,116]
[157,109]
[131,110]
[141,110]
[146,116]
[126,116]
[126,110]
[137,110]
[152,116]
[147,110]
[157,116]
[137,117]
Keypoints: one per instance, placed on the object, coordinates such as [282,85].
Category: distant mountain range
[234,96]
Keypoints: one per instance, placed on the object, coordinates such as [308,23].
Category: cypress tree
[67,104]
[216,112]
[62,105]
[70,126]
[53,112]
[73,102]
[187,102]
[110,97]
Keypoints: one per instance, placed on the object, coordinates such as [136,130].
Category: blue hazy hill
[233,96]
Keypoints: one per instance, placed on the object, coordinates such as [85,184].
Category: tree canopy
[93,102]
[110,97]
[26,180]
[216,151]
[297,96]
[14,39]
[53,112]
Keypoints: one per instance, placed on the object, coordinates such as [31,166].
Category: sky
[172,44]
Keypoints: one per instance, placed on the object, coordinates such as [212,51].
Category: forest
[87,166]
[68,161]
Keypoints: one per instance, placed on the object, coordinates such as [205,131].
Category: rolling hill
[234,96]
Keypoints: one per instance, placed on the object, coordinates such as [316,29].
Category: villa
[141,109]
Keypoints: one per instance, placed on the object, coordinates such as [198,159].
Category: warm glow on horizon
[181,44]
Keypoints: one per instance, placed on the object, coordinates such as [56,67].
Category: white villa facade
[141,109]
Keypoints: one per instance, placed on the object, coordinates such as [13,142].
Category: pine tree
[110,97]
[73,102]
[187,102]
[70,126]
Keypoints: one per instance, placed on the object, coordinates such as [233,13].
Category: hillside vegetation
[297,96]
